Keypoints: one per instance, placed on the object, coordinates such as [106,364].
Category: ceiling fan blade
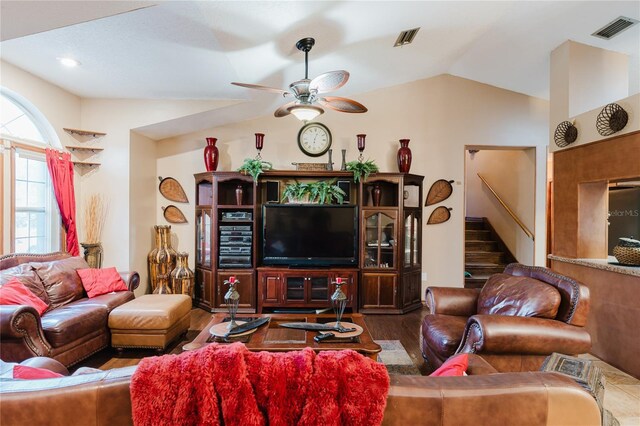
[283,111]
[342,104]
[259,87]
[329,81]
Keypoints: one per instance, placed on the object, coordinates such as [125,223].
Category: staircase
[485,253]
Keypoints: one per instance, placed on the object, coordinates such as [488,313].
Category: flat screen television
[310,235]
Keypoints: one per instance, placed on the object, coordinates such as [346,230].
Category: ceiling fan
[307,92]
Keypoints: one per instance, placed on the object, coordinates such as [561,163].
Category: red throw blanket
[230,385]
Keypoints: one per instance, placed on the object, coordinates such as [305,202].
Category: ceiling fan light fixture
[306,112]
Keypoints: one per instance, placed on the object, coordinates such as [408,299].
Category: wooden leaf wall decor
[173,214]
[440,214]
[172,190]
[439,191]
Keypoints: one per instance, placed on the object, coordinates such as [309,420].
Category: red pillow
[454,366]
[101,281]
[15,293]
[26,372]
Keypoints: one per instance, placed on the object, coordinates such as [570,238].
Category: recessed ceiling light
[68,62]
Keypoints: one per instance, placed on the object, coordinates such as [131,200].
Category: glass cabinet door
[411,249]
[294,288]
[379,240]
[203,238]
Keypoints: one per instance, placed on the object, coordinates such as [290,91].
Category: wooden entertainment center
[229,232]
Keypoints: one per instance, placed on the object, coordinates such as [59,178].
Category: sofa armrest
[452,301]
[479,366]
[534,398]
[132,278]
[21,333]
[501,334]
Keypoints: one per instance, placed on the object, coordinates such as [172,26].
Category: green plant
[361,169]
[254,166]
[295,191]
[326,191]
[323,192]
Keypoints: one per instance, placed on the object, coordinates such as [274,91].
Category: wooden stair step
[474,224]
[494,257]
[474,282]
[478,268]
[477,234]
[481,245]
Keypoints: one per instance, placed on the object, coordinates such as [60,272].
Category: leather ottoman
[150,321]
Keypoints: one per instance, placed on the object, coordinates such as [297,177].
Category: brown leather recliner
[518,318]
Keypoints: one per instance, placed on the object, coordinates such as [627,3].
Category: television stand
[304,288]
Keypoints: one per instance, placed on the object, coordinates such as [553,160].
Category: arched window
[29,218]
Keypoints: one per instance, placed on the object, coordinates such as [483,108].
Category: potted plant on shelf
[297,192]
[362,169]
[254,166]
[323,192]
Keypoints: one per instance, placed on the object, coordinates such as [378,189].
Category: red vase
[211,155]
[404,156]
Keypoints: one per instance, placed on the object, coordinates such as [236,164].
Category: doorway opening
[500,188]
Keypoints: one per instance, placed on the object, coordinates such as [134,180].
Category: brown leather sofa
[518,318]
[74,327]
[485,398]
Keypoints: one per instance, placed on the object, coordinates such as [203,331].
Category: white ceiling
[194,49]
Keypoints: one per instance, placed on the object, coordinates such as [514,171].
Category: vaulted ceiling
[194,49]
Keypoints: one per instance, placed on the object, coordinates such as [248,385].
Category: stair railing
[506,207]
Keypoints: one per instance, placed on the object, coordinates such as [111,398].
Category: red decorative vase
[404,156]
[211,155]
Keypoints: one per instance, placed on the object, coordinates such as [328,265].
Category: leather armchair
[518,318]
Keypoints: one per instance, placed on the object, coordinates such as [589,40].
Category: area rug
[395,357]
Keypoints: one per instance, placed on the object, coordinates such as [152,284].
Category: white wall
[60,108]
[440,115]
[511,173]
[142,174]
[583,80]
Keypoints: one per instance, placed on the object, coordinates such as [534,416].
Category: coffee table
[273,338]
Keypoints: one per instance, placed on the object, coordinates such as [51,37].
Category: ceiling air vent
[406,37]
[615,27]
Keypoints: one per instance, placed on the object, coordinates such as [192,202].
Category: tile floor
[621,395]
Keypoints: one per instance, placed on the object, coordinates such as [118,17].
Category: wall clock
[314,139]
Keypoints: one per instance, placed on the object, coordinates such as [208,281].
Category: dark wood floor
[405,328]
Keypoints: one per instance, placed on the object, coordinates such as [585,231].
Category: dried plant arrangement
[95,214]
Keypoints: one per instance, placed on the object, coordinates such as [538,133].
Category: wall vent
[615,27]
[406,37]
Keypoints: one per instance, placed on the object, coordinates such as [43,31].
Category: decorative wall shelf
[85,164]
[84,149]
[83,132]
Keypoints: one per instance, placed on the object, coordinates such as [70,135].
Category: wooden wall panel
[610,159]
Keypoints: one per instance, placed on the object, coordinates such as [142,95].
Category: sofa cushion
[71,322]
[454,366]
[61,281]
[30,373]
[504,294]
[101,281]
[28,277]
[110,301]
[443,333]
[15,293]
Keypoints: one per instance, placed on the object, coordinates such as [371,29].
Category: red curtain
[61,171]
